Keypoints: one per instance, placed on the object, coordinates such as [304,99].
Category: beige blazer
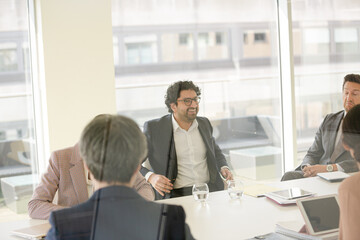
[349,200]
[65,175]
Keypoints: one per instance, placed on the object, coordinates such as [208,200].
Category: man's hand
[225,172]
[311,171]
[161,183]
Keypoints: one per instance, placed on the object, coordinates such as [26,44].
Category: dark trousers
[180,192]
[186,191]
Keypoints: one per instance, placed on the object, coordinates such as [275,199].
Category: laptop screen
[323,213]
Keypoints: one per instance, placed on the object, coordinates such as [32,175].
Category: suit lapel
[205,134]
[334,128]
[77,174]
[168,144]
[210,155]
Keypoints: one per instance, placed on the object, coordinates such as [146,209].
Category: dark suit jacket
[118,212]
[162,153]
[321,150]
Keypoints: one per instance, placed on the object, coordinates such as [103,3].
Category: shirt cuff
[223,167]
[148,175]
[339,168]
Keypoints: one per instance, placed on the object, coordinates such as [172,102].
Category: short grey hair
[112,146]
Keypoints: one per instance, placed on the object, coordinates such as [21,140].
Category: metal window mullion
[287,85]
[41,133]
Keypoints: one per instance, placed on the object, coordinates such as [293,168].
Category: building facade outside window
[18,161]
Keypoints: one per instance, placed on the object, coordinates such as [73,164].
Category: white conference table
[223,218]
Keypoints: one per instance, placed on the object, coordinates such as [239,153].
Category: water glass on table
[235,188]
[200,192]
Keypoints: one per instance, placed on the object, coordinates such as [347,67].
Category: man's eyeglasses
[188,101]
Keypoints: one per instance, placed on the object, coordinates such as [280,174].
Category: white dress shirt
[191,156]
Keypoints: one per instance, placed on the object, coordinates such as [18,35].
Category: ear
[173,107]
[138,168]
[346,147]
[87,168]
[85,165]
[135,173]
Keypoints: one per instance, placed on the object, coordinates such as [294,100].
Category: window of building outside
[17,144]
[8,57]
[177,47]
[346,40]
[259,37]
[184,38]
[203,42]
[212,46]
[326,48]
[140,49]
[317,41]
[219,38]
[256,44]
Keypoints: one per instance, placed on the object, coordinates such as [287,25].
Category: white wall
[76,70]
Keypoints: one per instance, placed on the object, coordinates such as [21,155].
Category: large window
[17,157]
[231,51]
[326,48]
[230,54]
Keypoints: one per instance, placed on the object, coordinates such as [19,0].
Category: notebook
[33,232]
[321,214]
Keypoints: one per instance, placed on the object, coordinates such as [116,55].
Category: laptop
[33,232]
[321,214]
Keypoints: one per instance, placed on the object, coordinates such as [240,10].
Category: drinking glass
[200,192]
[235,189]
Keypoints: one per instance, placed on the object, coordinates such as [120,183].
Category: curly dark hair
[351,78]
[173,92]
[351,130]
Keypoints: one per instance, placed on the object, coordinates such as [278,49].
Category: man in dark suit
[113,148]
[181,148]
[327,153]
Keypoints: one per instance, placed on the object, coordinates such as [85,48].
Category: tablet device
[336,176]
[33,232]
[321,214]
[291,193]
